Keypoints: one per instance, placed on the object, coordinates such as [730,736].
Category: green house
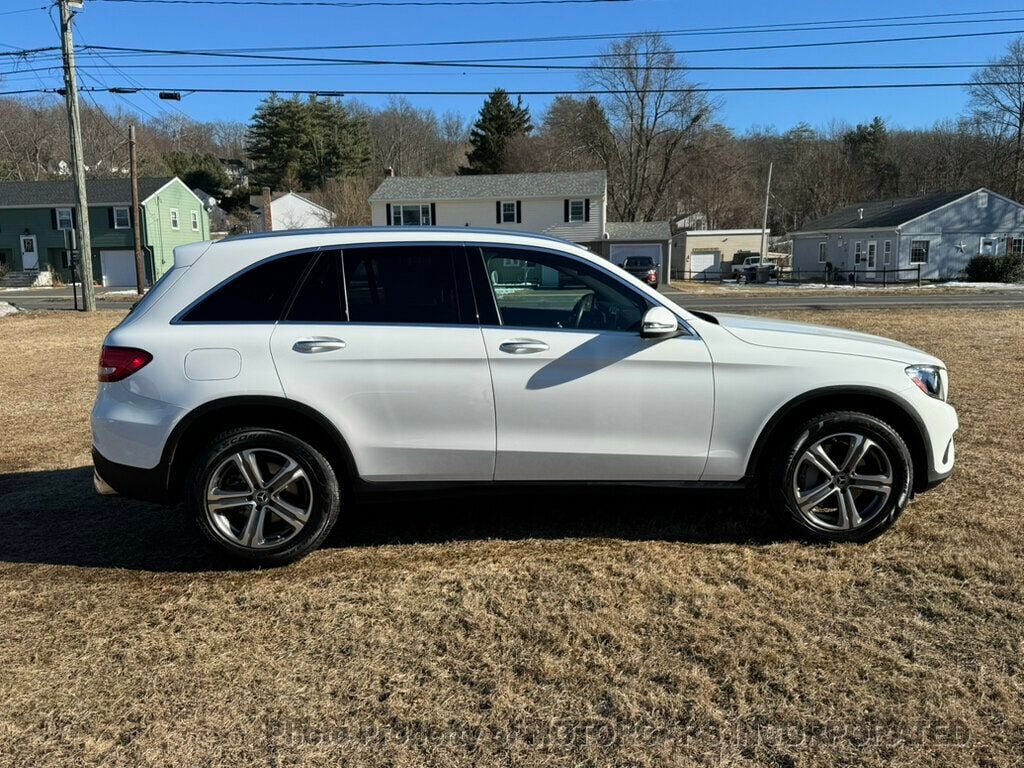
[37,219]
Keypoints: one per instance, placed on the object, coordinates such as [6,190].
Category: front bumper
[110,478]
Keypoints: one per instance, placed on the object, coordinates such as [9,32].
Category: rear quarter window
[257,294]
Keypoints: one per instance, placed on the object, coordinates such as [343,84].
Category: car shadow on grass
[55,517]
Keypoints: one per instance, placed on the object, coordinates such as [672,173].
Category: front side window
[195,221]
[401,284]
[822,252]
[255,295]
[577,210]
[174,218]
[508,213]
[887,251]
[857,252]
[537,289]
[918,251]
[65,219]
[122,218]
[410,215]
[1017,246]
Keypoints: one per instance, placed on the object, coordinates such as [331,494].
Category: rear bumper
[125,480]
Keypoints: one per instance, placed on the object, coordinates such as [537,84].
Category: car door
[384,341]
[578,394]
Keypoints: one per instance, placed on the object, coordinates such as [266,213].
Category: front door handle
[522,346]
[318,344]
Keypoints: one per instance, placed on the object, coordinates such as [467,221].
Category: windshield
[639,261]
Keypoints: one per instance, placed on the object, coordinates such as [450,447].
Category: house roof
[638,230]
[883,213]
[45,194]
[256,201]
[491,186]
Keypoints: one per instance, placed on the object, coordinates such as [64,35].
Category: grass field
[556,631]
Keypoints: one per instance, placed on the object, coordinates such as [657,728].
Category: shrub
[995,269]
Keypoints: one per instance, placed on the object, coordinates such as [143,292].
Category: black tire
[836,433]
[321,495]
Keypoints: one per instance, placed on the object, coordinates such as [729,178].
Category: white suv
[267,377]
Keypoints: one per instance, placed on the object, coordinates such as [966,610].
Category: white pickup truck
[749,265]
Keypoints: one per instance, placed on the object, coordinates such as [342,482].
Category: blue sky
[201,26]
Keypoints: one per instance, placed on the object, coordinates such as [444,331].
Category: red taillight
[652,275]
[118,363]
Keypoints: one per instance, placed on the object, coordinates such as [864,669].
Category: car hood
[782,334]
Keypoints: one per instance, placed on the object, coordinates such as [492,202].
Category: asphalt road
[847,300]
[60,298]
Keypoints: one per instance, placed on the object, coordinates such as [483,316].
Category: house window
[195,221]
[508,213]
[822,253]
[857,251]
[918,251]
[983,199]
[174,219]
[122,218]
[887,252]
[1017,246]
[410,215]
[577,210]
[65,220]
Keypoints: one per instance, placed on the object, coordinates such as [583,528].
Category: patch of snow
[127,292]
[7,309]
[987,286]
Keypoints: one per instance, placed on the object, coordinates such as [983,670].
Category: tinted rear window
[401,284]
[255,295]
[321,297]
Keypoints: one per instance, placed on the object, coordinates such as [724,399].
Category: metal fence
[882,277]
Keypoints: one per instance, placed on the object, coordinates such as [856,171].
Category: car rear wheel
[263,496]
[841,476]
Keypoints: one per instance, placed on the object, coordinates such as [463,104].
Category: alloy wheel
[258,498]
[842,482]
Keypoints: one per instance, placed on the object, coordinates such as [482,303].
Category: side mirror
[659,323]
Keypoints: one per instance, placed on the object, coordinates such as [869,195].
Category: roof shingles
[46,194]
[491,186]
[882,213]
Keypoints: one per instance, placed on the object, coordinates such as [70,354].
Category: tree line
[660,139]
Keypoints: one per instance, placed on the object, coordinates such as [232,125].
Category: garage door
[701,261]
[118,268]
[619,253]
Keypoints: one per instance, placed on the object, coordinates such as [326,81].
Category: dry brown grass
[747,289]
[619,630]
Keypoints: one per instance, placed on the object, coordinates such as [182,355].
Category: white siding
[546,215]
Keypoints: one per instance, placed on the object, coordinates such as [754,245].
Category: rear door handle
[318,344]
[522,346]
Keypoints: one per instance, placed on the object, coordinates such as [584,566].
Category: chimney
[268,223]
[860,213]
[389,172]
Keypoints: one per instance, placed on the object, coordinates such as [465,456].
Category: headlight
[928,379]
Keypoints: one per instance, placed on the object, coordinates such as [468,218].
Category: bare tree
[655,115]
[997,101]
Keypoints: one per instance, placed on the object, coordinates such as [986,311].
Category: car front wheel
[841,476]
[263,496]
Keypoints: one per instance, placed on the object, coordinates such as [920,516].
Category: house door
[872,259]
[29,252]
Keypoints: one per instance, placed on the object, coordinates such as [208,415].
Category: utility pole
[764,225]
[77,160]
[140,269]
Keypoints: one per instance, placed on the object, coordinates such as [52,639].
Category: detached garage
[638,238]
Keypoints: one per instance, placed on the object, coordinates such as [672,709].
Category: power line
[366,4]
[483,63]
[584,92]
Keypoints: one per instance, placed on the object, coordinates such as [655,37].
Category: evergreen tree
[499,123]
[305,143]
[198,169]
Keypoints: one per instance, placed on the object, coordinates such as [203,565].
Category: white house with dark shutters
[572,206]
[567,205]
